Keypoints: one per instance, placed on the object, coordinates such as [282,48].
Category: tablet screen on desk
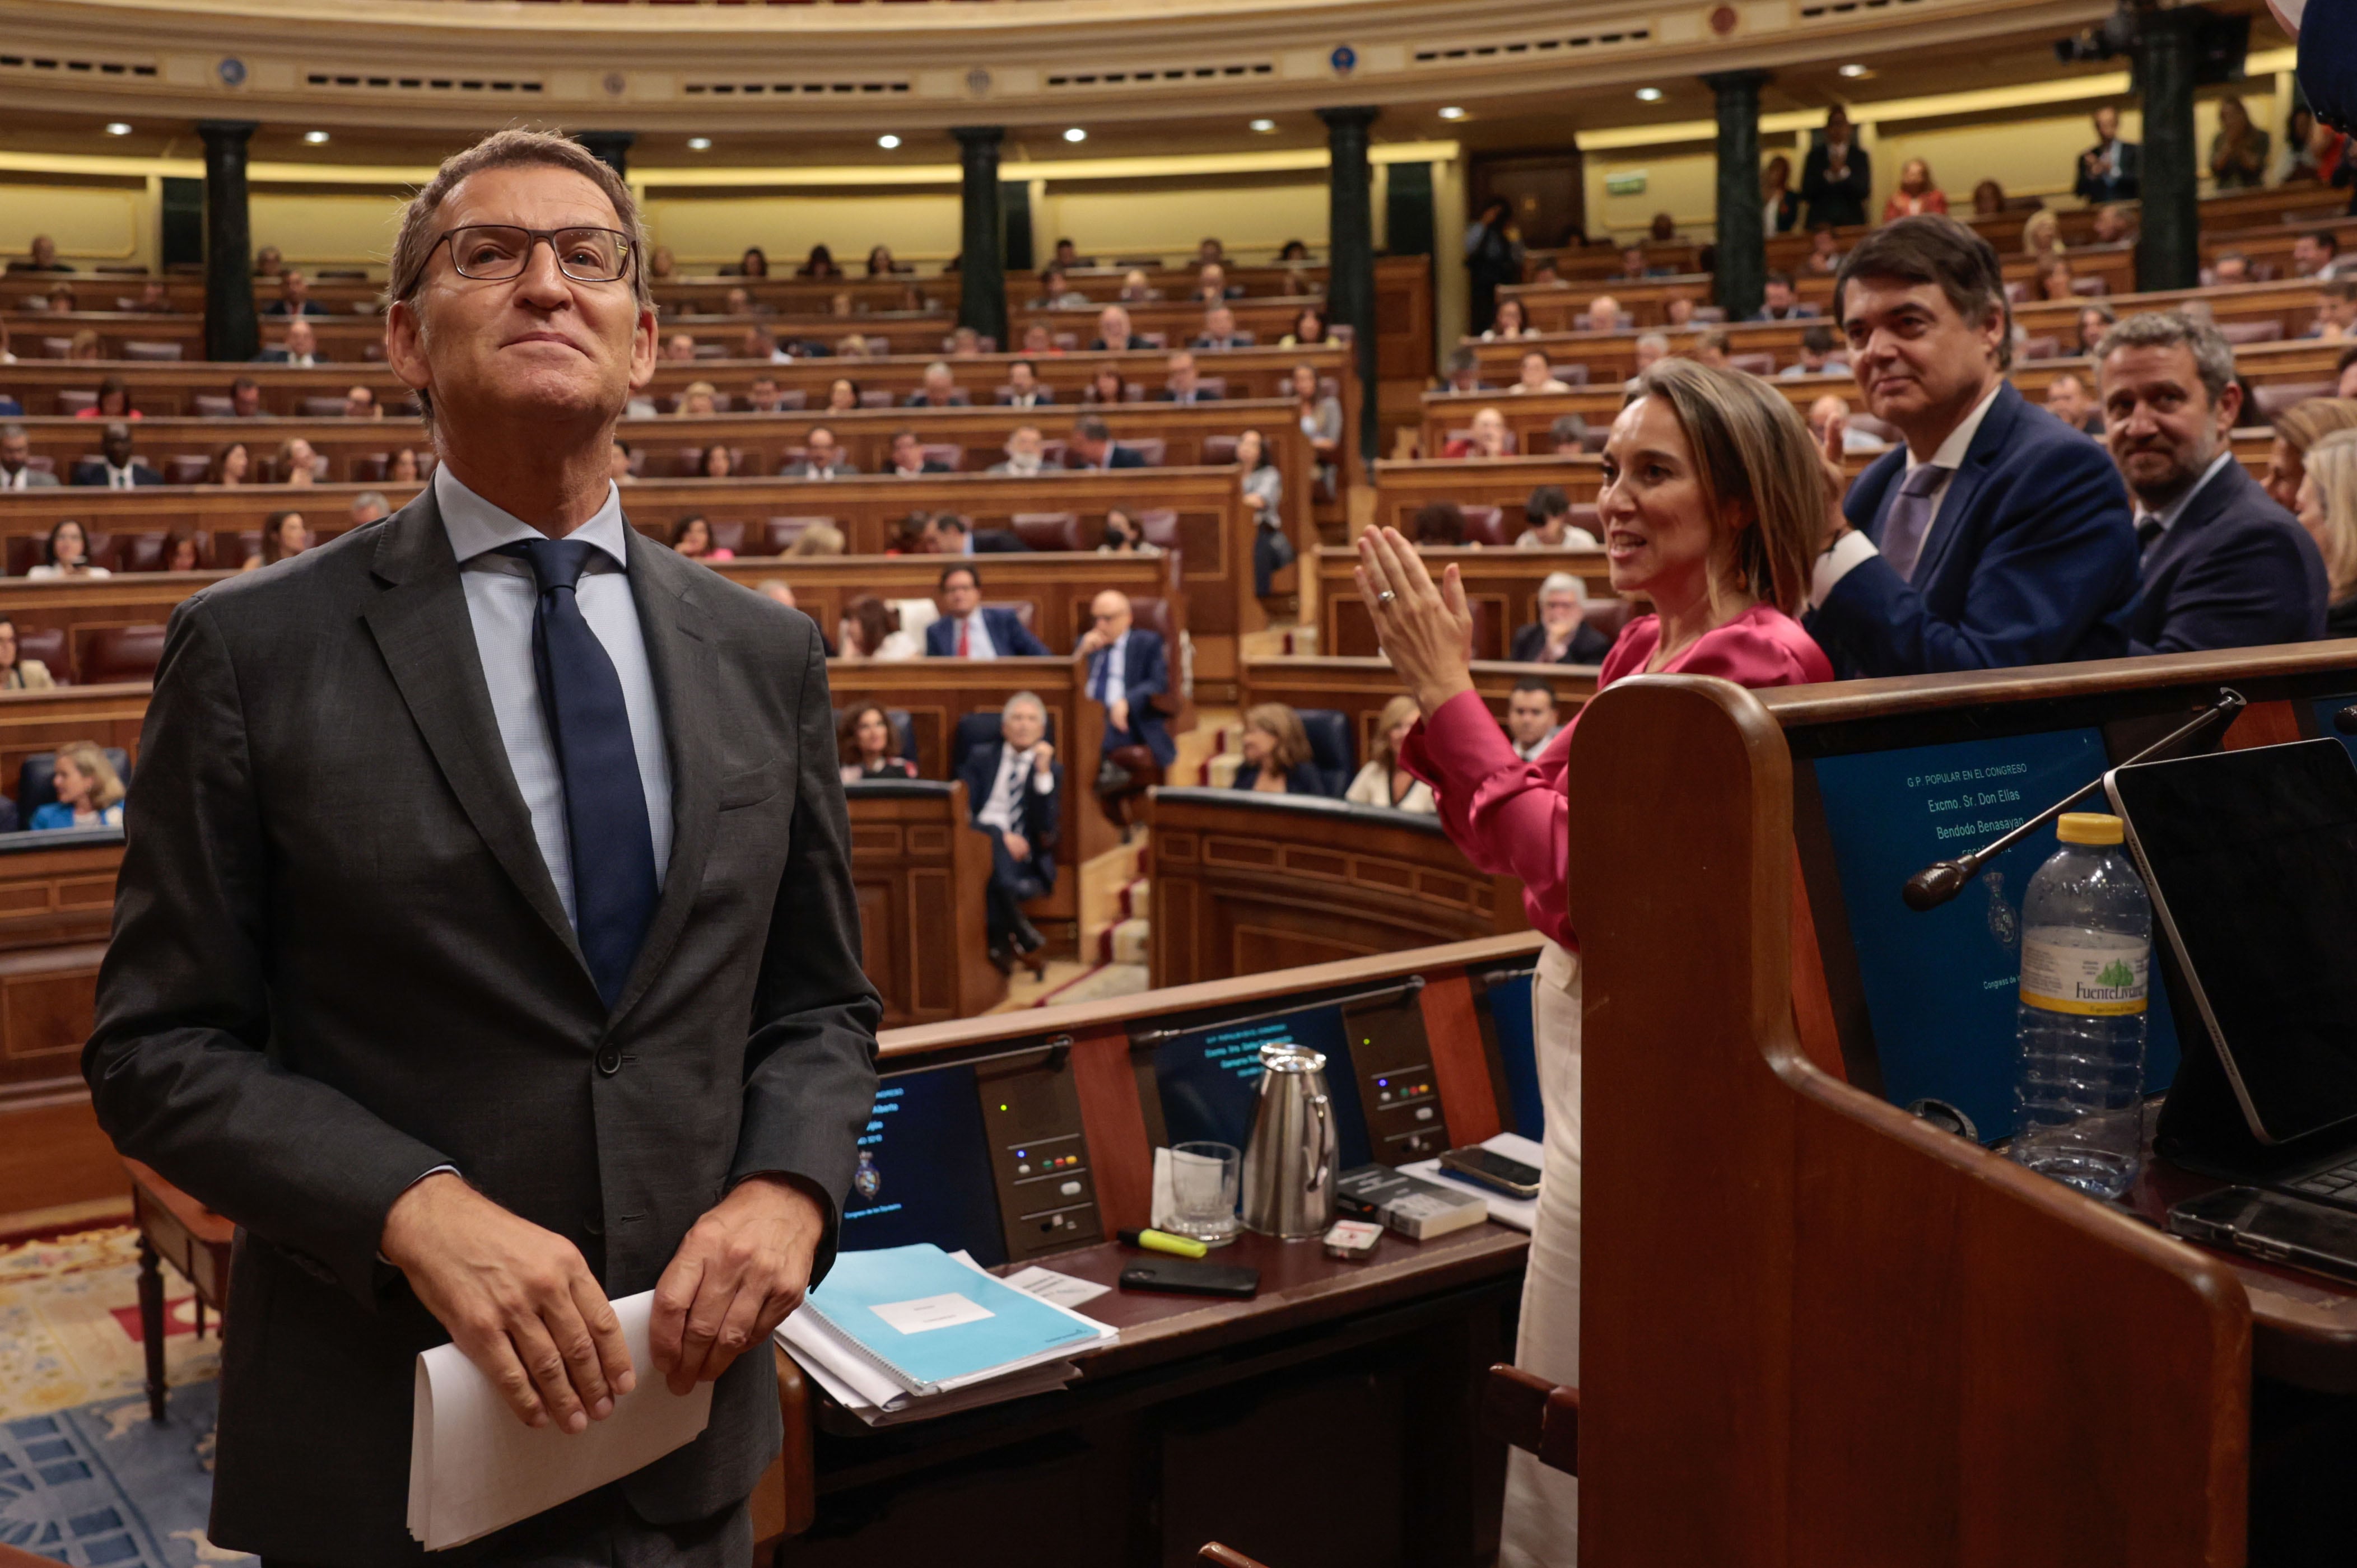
[1209,1079]
[2253,859]
[1939,990]
[924,1172]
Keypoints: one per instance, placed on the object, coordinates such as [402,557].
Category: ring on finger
[1385,598]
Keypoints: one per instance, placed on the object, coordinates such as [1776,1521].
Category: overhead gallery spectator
[1838,175]
[2111,170]
[1916,194]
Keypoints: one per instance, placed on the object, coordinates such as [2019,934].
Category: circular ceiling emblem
[232,71]
[977,81]
[1345,60]
[615,82]
[1722,20]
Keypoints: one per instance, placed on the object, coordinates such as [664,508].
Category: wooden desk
[175,1229]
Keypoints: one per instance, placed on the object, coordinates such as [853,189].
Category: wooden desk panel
[1360,687]
[1243,888]
[920,872]
[1505,581]
[42,720]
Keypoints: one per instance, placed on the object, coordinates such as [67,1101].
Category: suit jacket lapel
[427,638]
[1988,442]
[684,662]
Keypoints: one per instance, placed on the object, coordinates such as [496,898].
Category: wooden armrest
[1226,1556]
[1534,1414]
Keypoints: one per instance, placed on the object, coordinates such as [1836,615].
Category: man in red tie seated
[966,631]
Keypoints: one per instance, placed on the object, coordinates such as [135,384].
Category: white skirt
[1541,1522]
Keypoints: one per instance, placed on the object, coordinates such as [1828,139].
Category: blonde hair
[2333,470]
[2042,234]
[1750,449]
[1283,726]
[1396,711]
[2306,422]
[818,538]
[106,784]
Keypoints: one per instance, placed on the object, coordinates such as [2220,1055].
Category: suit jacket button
[610,1061]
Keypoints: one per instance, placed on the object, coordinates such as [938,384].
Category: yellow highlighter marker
[1163,1242]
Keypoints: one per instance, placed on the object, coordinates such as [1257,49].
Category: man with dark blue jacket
[1012,787]
[1995,536]
[1129,668]
[2223,566]
[966,631]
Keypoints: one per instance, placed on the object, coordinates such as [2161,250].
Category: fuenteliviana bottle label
[2091,974]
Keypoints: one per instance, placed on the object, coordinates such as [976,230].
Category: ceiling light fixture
[887,141]
[1649,95]
[117,128]
[1263,127]
[1076,135]
[314,137]
[699,143]
[1853,70]
[1452,113]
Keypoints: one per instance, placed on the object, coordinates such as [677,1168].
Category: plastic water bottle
[2086,969]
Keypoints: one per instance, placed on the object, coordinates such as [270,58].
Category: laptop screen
[2251,856]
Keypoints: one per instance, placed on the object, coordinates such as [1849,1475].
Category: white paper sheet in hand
[473,1467]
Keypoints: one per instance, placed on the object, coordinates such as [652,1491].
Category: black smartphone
[2273,1227]
[1492,1170]
[1178,1276]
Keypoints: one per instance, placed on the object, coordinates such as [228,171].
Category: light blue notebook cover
[898,1278]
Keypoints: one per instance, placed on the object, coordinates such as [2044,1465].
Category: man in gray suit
[485,945]
[822,459]
[16,472]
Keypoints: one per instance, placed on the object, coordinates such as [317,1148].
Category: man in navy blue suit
[1012,787]
[1129,668]
[1996,535]
[1092,446]
[966,631]
[2223,565]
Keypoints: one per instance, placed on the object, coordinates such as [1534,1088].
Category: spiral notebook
[934,1325]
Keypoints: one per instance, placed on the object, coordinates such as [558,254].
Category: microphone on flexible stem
[1942,880]
[2345,721]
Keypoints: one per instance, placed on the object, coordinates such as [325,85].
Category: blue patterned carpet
[100,1484]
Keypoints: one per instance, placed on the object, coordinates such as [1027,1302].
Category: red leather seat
[1049,529]
[122,653]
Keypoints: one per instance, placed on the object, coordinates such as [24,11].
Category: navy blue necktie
[613,850]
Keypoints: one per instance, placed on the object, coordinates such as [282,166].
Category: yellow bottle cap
[2089,827]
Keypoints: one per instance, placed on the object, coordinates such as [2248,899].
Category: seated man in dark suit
[2224,566]
[1782,302]
[1531,717]
[1114,332]
[1184,385]
[1023,387]
[43,259]
[1012,787]
[947,533]
[822,458]
[245,398]
[294,296]
[1219,331]
[1129,668]
[1996,535]
[1093,444]
[17,472]
[908,458]
[966,631]
[1561,635]
[940,389]
[300,348]
[2067,400]
[115,469]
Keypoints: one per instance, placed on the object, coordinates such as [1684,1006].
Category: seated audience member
[1212,284]
[1038,342]
[1264,491]
[299,347]
[1318,412]
[1106,388]
[268,263]
[880,264]
[2238,153]
[1294,251]
[1219,331]
[1781,302]
[2041,235]
[753,263]
[1067,254]
[298,463]
[1129,668]
[1546,524]
[1678,311]
[1633,268]
[2336,311]
[1093,444]
[2344,371]
[114,401]
[1916,194]
[180,553]
[65,553]
[2297,429]
[370,506]
[2094,320]
[1602,314]
[1025,445]
[1209,252]
[1276,759]
[1816,353]
[360,403]
[1012,786]
[1651,349]
[2328,509]
[717,462]
[2114,224]
[1182,384]
[1831,412]
[1309,329]
[761,344]
[2223,566]
[90,792]
[867,746]
[245,398]
[2055,281]
[1438,525]
[679,349]
[869,632]
[2067,400]
[842,395]
[85,345]
[1561,635]
[2317,255]
[42,258]
[1996,537]
[18,673]
[967,631]
[1988,198]
[699,400]
[818,538]
[1711,348]
[1509,321]
[1124,535]
[692,536]
[1464,371]
[911,535]
[2234,267]
[1837,175]
[1663,231]
[1487,436]
[405,469]
[1114,333]
[2109,170]
[618,464]
[764,396]
[1382,781]
[940,389]
[1024,388]
[17,470]
[947,533]
[1056,293]
[662,264]
[819,264]
[1545,273]
[294,296]
[283,536]
[230,465]
[1824,257]
[777,589]
[1531,719]
[1538,376]
[1136,290]
[908,459]
[116,467]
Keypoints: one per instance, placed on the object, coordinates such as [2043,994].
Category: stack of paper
[1521,1213]
[908,1333]
[473,1467]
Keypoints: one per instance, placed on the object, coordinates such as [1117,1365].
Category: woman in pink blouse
[1714,501]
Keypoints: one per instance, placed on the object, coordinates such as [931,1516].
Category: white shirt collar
[2167,516]
[474,525]
[1950,453]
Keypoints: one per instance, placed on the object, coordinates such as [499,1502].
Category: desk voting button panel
[1398,1091]
[1038,1154]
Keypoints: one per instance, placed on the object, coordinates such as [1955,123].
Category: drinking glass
[1204,1182]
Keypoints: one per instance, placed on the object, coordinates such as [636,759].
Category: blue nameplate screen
[1942,988]
[924,1169]
[1210,1079]
[1509,1001]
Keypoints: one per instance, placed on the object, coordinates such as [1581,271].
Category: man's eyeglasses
[495,252]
